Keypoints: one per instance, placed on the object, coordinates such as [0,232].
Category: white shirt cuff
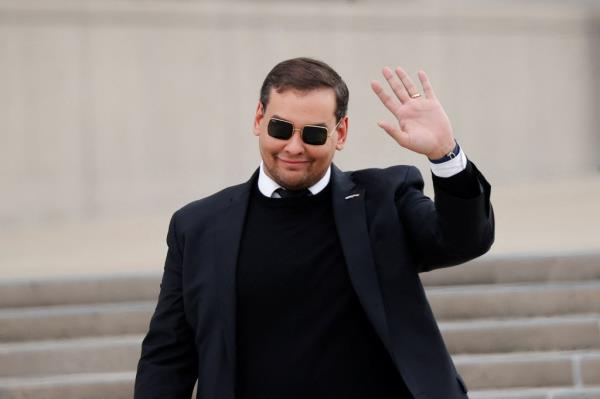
[451,167]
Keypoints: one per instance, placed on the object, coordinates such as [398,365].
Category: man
[303,282]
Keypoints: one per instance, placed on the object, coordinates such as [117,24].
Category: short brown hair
[306,74]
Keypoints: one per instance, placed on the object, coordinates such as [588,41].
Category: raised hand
[422,124]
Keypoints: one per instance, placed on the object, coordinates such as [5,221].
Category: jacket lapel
[228,236]
[351,221]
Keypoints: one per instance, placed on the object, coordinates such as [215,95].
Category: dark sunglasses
[311,134]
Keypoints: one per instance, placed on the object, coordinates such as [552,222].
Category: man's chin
[294,182]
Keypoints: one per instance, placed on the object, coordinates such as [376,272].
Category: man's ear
[342,133]
[258,117]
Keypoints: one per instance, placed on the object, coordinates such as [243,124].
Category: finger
[391,103]
[407,82]
[427,88]
[396,133]
[396,85]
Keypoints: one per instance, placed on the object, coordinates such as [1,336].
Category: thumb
[397,134]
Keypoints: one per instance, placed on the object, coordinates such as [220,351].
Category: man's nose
[295,145]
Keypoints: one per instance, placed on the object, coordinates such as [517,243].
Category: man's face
[292,163]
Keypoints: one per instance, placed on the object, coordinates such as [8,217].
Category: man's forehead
[319,102]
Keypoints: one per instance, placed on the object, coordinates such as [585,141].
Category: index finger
[391,103]
[427,88]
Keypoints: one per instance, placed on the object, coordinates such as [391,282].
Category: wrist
[446,153]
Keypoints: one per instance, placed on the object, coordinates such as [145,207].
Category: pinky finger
[427,88]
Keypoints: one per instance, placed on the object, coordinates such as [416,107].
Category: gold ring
[417,95]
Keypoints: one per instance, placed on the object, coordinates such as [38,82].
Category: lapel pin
[352,196]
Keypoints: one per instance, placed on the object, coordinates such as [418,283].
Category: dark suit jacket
[389,232]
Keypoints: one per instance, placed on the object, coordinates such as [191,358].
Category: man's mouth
[293,161]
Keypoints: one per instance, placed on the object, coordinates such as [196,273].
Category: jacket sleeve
[168,363]
[454,228]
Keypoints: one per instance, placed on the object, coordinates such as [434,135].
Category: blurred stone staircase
[526,328]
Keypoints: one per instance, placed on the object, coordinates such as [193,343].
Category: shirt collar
[267,186]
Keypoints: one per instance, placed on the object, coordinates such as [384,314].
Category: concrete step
[518,269]
[530,369]
[118,385]
[514,300]
[144,286]
[539,393]
[564,333]
[121,353]
[81,355]
[448,303]
[546,371]
[54,322]
[115,385]
[79,290]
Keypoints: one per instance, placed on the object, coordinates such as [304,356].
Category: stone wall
[111,107]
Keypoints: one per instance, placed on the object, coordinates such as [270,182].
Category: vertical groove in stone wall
[594,101]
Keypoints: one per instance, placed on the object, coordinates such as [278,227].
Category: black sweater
[301,332]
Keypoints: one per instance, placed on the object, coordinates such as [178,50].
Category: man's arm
[456,227]
[459,225]
[168,364]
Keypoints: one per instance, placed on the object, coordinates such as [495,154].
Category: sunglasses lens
[314,135]
[280,129]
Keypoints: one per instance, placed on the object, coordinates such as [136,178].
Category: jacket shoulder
[207,208]
[387,178]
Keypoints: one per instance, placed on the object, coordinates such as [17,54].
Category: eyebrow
[321,124]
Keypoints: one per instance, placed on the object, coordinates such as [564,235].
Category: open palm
[422,124]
